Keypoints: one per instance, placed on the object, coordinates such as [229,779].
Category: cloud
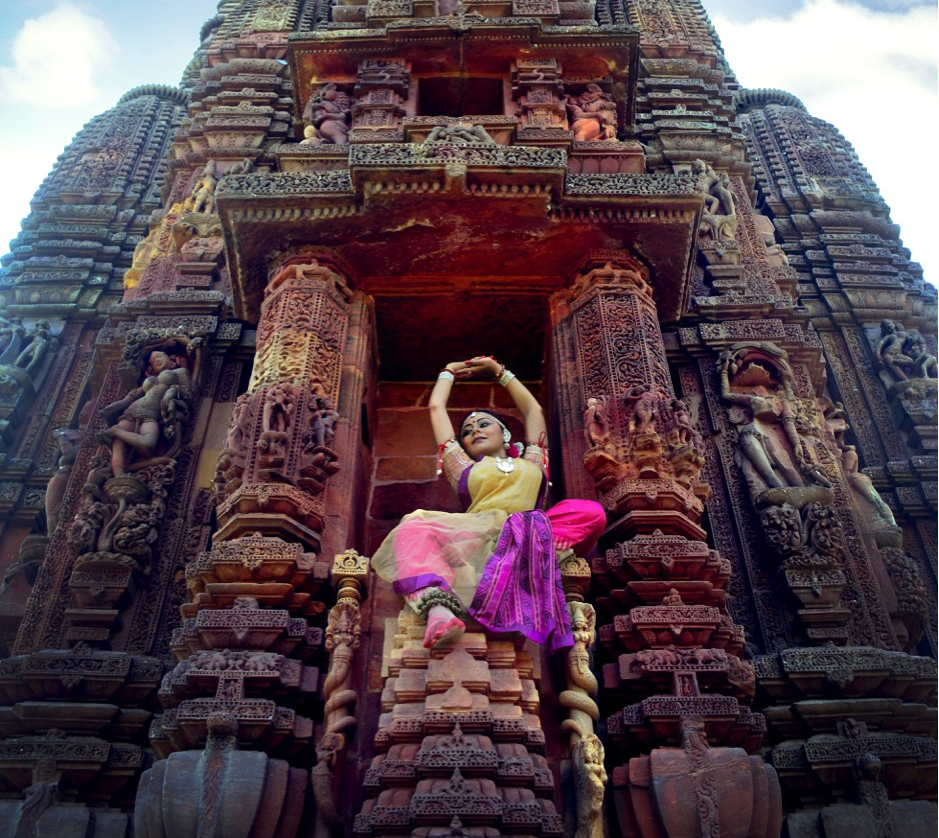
[58,59]
[872,74]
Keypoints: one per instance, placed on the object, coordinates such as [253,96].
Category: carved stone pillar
[676,689]
[245,642]
[642,451]
[278,453]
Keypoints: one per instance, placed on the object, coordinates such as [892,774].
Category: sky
[868,66]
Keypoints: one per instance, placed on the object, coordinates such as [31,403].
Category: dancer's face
[481,434]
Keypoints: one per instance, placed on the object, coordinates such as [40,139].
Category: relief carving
[327,116]
[592,115]
[720,206]
[27,352]
[114,535]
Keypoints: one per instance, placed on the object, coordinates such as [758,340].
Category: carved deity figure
[10,330]
[591,782]
[278,409]
[68,447]
[203,196]
[324,422]
[861,485]
[158,405]
[245,167]
[27,352]
[596,422]
[768,460]
[38,797]
[644,403]
[592,115]
[327,116]
[38,343]
[683,425]
[720,207]
[903,353]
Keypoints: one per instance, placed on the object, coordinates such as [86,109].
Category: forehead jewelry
[505,464]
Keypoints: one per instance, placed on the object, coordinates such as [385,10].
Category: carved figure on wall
[203,196]
[903,353]
[596,422]
[38,343]
[39,796]
[11,332]
[502,550]
[685,430]
[460,133]
[720,206]
[278,409]
[768,459]
[148,249]
[861,485]
[581,690]
[31,348]
[923,362]
[591,779]
[245,167]
[592,115]
[324,423]
[159,406]
[68,449]
[641,404]
[327,113]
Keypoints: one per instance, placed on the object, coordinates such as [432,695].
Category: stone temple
[235,330]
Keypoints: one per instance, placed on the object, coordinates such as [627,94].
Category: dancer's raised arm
[483,366]
[440,395]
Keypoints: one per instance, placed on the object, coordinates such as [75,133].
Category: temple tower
[223,320]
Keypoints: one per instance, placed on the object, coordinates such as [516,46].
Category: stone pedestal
[460,742]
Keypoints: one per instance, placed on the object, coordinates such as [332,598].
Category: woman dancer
[503,544]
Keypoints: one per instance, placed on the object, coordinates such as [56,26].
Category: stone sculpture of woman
[157,407]
[592,115]
[760,414]
[861,485]
[596,423]
[203,197]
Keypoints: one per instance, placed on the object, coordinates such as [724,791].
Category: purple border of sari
[410,584]
[491,582]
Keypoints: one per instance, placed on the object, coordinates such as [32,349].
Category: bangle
[446,375]
[506,377]
[500,372]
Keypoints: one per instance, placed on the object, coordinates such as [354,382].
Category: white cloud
[871,74]
[59,59]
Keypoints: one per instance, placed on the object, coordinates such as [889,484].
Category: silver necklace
[505,464]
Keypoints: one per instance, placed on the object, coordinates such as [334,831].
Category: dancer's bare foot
[442,627]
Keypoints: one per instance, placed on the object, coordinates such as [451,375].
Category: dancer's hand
[482,366]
